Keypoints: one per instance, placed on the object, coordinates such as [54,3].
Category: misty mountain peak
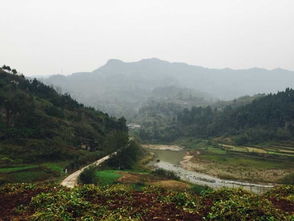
[152,60]
[114,62]
[110,65]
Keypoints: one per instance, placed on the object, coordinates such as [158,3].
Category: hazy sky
[65,36]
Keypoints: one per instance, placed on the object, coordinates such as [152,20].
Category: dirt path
[72,180]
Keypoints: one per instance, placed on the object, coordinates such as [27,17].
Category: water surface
[170,160]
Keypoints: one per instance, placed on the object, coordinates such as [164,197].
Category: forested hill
[39,125]
[268,118]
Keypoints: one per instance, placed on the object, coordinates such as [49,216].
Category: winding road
[72,180]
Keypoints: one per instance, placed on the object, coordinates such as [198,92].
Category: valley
[178,153]
[140,110]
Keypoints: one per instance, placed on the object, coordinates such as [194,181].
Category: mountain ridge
[126,86]
[154,59]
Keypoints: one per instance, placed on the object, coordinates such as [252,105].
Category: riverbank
[211,181]
[227,170]
[162,147]
[181,163]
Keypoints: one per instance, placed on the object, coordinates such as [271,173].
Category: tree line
[266,118]
[38,124]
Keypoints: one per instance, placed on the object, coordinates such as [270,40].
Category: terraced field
[32,172]
[277,150]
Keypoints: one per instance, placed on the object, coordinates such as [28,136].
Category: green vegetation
[31,176]
[46,132]
[56,166]
[254,164]
[288,179]
[266,119]
[14,169]
[126,158]
[165,173]
[123,202]
[107,177]
[88,176]
[198,189]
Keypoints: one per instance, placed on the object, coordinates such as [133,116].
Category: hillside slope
[266,118]
[41,130]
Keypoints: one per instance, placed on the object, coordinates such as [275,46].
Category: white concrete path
[72,180]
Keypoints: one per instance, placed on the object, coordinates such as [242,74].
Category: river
[170,160]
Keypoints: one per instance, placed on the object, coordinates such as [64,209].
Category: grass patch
[15,169]
[107,177]
[198,189]
[192,143]
[138,186]
[281,154]
[245,161]
[216,150]
[56,166]
[29,176]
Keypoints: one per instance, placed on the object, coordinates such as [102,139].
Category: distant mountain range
[120,88]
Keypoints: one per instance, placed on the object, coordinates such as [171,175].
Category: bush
[244,208]
[200,189]
[88,176]
[54,111]
[288,179]
[165,173]
[226,194]
[63,205]
[126,157]
[183,199]
[280,192]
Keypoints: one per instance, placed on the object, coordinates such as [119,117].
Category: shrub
[88,176]
[280,192]
[288,179]
[226,194]
[165,173]
[244,208]
[63,205]
[200,189]
[183,199]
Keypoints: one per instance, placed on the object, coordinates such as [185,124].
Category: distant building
[133,126]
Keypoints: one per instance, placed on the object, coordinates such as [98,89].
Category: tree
[14,71]
[126,157]
[6,67]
